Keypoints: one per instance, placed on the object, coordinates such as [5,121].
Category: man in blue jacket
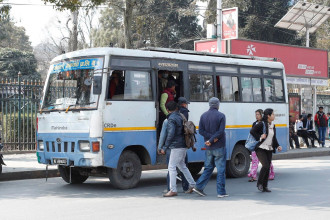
[212,127]
[176,142]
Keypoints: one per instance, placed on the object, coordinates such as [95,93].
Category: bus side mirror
[97,85]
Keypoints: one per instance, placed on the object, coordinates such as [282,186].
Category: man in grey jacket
[212,127]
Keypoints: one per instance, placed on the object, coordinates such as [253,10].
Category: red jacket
[170,95]
[321,120]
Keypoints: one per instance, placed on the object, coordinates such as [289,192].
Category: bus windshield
[70,85]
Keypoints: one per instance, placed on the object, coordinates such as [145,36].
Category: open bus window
[229,90]
[69,88]
[130,85]
[269,90]
[201,87]
[251,89]
[279,93]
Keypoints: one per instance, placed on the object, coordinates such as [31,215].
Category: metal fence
[19,103]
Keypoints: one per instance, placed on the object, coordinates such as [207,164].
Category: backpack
[189,131]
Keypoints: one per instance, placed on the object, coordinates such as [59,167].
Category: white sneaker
[222,196]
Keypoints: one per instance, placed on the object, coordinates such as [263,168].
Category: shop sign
[319,82]
[298,81]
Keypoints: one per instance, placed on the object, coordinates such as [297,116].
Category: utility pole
[219,27]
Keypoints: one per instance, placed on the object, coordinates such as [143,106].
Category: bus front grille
[66,147]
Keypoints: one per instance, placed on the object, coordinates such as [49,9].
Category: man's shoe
[170,194]
[190,190]
[222,196]
[266,189]
[260,188]
[199,192]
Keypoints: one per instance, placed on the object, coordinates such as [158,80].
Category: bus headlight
[84,146]
[41,145]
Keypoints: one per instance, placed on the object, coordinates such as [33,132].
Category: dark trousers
[304,134]
[265,158]
[185,184]
[294,138]
[312,136]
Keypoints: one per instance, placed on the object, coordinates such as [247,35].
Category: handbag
[251,142]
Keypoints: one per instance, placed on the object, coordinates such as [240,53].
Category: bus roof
[165,53]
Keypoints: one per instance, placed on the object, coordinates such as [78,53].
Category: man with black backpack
[175,140]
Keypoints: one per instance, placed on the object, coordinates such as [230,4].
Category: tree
[13,36]
[4,11]
[257,19]
[158,23]
[44,53]
[13,61]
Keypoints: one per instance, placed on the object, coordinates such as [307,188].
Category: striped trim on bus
[154,128]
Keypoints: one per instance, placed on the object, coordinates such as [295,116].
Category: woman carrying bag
[266,147]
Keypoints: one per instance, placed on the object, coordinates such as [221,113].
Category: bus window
[229,90]
[279,94]
[246,86]
[130,85]
[249,70]
[269,88]
[256,85]
[201,87]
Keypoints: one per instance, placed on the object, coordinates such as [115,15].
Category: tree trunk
[74,37]
[128,16]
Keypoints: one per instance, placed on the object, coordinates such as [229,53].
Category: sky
[34,18]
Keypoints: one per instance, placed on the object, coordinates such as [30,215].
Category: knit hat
[214,102]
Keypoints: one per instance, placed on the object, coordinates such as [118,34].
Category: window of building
[201,87]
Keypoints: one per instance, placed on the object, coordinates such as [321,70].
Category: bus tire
[195,168]
[76,177]
[0,168]
[239,164]
[128,172]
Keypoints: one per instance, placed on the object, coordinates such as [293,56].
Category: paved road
[301,190]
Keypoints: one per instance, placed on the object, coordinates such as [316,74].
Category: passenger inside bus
[116,84]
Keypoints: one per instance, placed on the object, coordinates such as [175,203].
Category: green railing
[19,103]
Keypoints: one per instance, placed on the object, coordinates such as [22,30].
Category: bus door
[167,70]
[129,112]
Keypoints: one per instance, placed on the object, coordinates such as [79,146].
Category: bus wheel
[76,177]
[0,168]
[128,171]
[239,164]
[195,168]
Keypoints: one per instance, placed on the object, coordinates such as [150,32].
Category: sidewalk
[26,166]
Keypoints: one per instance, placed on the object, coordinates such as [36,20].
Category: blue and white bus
[100,110]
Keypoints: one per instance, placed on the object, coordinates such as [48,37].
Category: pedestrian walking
[255,160]
[328,124]
[321,121]
[212,127]
[162,151]
[266,147]
[176,142]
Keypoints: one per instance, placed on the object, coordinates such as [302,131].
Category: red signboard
[229,23]
[298,61]
[294,105]
[209,46]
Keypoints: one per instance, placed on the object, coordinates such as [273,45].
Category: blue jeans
[185,184]
[322,131]
[214,158]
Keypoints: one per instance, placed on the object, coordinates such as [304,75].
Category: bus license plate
[59,161]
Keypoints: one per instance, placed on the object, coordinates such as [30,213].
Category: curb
[302,154]
[37,174]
